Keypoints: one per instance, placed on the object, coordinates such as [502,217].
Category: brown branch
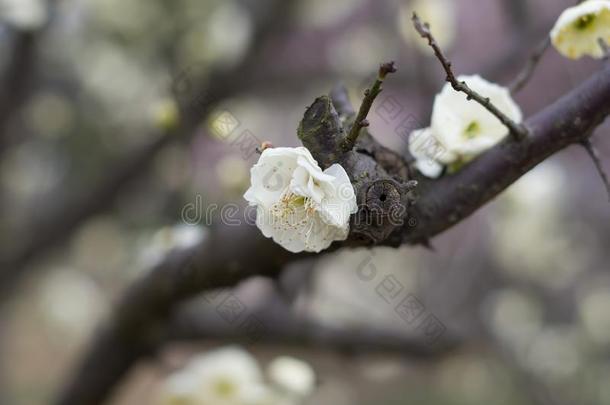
[518,131]
[594,155]
[138,319]
[146,307]
[568,121]
[280,325]
[370,95]
[530,67]
[17,77]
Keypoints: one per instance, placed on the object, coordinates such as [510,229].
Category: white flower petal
[341,200]
[233,361]
[430,155]
[429,167]
[578,29]
[270,177]
[292,375]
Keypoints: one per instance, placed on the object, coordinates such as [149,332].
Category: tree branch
[147,306]
[13,90]
[568,121]
[518,131]
[279,324]
[138,319]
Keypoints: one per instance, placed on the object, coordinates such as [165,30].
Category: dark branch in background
[13,89]
[145,309]
[220,85]
[518,131]
[594,155]
[528,71]
[139,318]
[369,97]
[279,324]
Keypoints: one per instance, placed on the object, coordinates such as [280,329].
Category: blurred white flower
[440,14]
[165,114]
[595,316]
[578,29]
[461,129]
[292,375]
[554,354]
[24,14]
[231,376]
[57,300]
[179,389]
[514,317]
[166,239]
[298,205]
[324,13]
[228,376]
[228,34]
[551,249]
[359,50]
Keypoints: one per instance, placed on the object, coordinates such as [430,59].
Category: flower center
[585,21]
[292,207]
[472,130]
[225,388]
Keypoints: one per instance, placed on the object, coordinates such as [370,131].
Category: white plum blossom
[292,375]
[464,126]
[298,205]
[578,30]
[461,129]
[228,376]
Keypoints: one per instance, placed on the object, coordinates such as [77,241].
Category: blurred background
[117,117]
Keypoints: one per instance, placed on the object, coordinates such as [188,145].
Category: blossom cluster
[231,376]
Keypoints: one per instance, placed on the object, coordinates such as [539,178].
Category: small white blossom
[292,375]
[298,205]
[229,376]
[465,127]
[578,29]
[24,14]
[461,129]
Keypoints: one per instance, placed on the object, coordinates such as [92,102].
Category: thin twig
[592,152]
[518,131]
[528,71]
[369,97]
